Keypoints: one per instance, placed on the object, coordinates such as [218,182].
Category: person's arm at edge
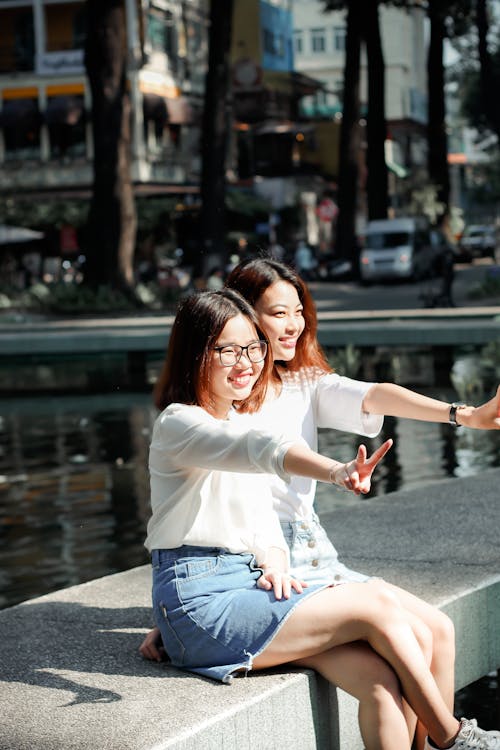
[394,400]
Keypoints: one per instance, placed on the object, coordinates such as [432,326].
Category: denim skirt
[313,558]
[213,619]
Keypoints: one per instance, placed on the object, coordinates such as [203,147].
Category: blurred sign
[327,210]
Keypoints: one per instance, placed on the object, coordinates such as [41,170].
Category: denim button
[311,543]
[315,563]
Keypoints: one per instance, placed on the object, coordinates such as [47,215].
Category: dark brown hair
[251,278]
[185,375]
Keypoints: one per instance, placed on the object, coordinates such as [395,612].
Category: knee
[443,632]
[384,601]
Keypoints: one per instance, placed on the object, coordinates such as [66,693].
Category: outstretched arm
[354,475]
[393,400]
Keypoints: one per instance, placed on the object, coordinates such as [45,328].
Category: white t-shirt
[210,483]
[308,400]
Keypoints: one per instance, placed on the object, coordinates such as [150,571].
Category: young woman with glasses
[223,596]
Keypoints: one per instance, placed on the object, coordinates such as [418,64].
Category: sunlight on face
[279,310]
[234,383]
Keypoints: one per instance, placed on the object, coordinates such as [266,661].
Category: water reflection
[74,494]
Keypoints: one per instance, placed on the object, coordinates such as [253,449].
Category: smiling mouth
[288,343]
[240,381]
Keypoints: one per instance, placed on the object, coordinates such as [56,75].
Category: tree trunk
[436,127]
[349,140]
[376,132]
[490,103]
[111,225]
[215,137]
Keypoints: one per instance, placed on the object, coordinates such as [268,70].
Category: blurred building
[45,133]
[275,146]
[319,48]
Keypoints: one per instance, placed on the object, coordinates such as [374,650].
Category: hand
[356,475]
[485,417]
[282,583]
[152,646]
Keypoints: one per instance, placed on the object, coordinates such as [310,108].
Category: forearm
[395,401]
[301,461]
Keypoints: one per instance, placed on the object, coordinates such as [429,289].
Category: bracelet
[452,418]
[331,476]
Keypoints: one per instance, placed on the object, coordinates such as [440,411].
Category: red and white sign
[327,210]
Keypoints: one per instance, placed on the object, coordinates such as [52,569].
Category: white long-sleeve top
[309,400]
[210,483]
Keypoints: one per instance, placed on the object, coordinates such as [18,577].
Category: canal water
[74,491]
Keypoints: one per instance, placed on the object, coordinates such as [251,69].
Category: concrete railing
[71,676]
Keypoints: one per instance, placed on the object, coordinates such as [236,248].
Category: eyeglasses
[230,354]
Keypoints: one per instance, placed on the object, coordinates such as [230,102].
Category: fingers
[378,454]
[361,455]
[281,583]
[151,648]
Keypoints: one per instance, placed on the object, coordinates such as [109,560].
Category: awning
[18,235]
[64,110]
[20,113]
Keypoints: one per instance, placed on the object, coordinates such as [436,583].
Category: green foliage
[30,213]
[76,299]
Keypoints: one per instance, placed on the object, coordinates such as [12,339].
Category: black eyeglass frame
[263,346]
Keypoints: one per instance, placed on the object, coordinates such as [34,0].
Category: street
[349,295]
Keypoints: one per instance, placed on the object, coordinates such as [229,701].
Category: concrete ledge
[448,327]
[71,677]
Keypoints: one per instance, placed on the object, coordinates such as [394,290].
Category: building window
[17,40]
[298,42]
[20,120]
[318,40]
[269,42]
[65,119]
[65,26]
[339,34]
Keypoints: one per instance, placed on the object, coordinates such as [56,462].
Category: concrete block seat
[71,677]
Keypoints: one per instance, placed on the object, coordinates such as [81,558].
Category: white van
[395,249]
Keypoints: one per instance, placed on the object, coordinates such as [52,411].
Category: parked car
[397,249]
[478,241]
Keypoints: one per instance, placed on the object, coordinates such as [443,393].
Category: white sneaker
[472,737]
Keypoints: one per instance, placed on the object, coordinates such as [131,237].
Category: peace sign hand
[356,475]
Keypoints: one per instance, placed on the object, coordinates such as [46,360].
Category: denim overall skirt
[213,619]
[313,558]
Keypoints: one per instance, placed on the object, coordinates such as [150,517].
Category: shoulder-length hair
[185,375]
[251,278]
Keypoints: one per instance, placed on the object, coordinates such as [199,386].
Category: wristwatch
[455,406]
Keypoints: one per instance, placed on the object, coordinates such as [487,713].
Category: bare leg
[369,612]
[357,669]
[443,648]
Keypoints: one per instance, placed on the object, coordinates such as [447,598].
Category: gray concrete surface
[448,327]
[71,676]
